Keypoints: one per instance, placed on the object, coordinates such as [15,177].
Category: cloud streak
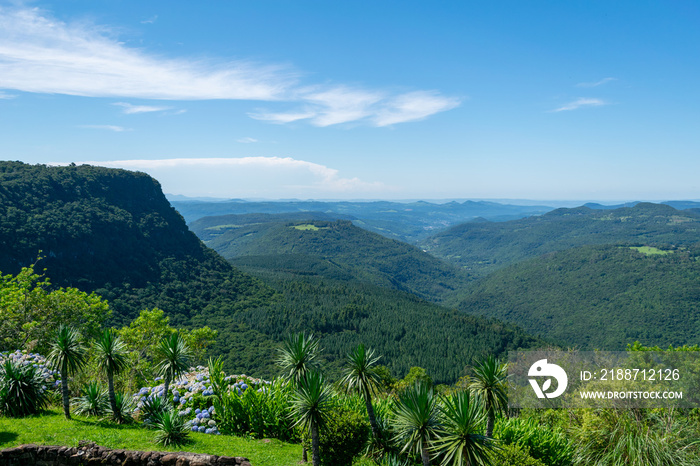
[130,109]
[596,83]
[116,129]
[581,102]
[274,177]
[40,54]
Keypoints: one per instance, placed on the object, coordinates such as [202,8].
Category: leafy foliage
[343,437]
[550,445]
[30,310]
[416,420]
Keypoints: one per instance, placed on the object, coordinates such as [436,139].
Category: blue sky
[589,100]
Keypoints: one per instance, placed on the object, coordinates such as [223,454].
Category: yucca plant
[152,408]
[298,356]
[67,356]
[93,400]
[172,429]
[416,420]
[124,405]
[461,440]
[489,383]
[174,358]
[111,359]
[22,390]
[311,403]
[359,376]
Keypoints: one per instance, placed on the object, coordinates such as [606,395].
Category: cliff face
[114,232]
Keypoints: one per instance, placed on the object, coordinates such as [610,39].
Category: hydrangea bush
[193,396]
[51,377]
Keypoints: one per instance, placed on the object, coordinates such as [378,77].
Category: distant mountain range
[408,222]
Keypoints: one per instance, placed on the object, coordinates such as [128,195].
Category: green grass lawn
[649,250]
[53,429]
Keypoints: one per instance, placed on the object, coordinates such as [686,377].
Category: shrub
[546,444]
[92,400]
[261,413]
[515,455]
[343,437]
[22,389]
[172,429]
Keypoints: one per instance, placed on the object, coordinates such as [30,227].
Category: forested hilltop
[114,232]
[307,245]
[483,247]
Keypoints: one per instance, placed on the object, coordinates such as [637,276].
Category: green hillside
[483,247]
[405,330]
[337,250]
[598,296]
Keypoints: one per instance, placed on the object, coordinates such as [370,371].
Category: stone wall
[91,454]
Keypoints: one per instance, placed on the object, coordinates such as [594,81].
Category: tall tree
[489,382]
[360,376]
[416,420]
[461,437]
[67,355]
[112,359]
[310,405]
[174,358]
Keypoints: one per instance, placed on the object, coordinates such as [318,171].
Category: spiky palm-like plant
[489,383]
[298,356]
[111,358]
[68,357]
[360,376]
[93,400]
[461,437]
[416,420]
[311,403]
[21,389]
[174,359]
[172,429]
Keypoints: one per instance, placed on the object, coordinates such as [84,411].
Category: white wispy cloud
[343,105]
[579,103]
[6,96]
[116,129]
[131,109]
[413,106]
[596,83]
[274,177]
[150,20]
[247,140]
[44,55]
[41,54]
